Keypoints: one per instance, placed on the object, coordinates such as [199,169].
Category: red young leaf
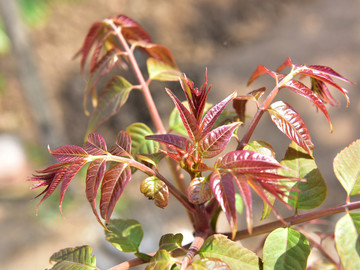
[69,153]
[246,161]
[213,114]
[159,52]
[199,190]
[261,70]
[171,140]
[224,191]
[287,63]
[112,187]
[330,72]
[123,144]
[214,142]
[94,175]
[187,118]
[291,124]
[95,145]
[196,97]
[303,90]
[67,177]
[324,75]
[321,90]
[245,192]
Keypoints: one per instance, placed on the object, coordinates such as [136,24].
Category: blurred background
[41,90]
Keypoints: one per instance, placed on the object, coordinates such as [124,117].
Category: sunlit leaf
[199,190]
[124,234]
[210,264]
[285,248]
[162,260]
[347,233]
[188,119]
[112,187]
[303,90]
[214,142]
[291,124]
[287,63]
[239,204]
[161,71]
[155,189]
[233,254]
[261,70]
[347,168]
[153,159]
[159,52]
[78,258]
[171,140]
[260,147]
[111,99]
[139,145]
[266,207]
[312,192]
[224,192]
[170,242]
[213,114]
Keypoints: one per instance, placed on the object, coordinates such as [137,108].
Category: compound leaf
[124,234]
[347,233]
[69,153]
[161,71]
[95,145]
[78,258]
[285,248]
[218,247]
[347,168]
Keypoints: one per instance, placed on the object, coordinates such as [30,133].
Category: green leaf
[284,249]
[347,168]
[161,261]
[213,264]
[347,231]
[233,254]
[170,241]
[111,99]
[266,207]
[261,147]
[239,204]
[161,71]
[78,258]
[312,192]
[139,145]
[125,235]
[155,189]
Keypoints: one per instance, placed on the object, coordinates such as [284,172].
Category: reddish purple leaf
[159,52]
[199,190]
[290,123]
[171,140]
[224,191]
[321,90]
[95,145]
[123,144]
[112,187]
[325,77]
[330,72]
[303,90]
[287,63]
[213,114]
[245,192]
[69,153]
[187,118]
[94,175]
[214,142]
[246,161]
[261,70]
[67,177]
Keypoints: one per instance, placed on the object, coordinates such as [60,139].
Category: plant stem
[131,263]
[154,114]
[194,248]
[294,220]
